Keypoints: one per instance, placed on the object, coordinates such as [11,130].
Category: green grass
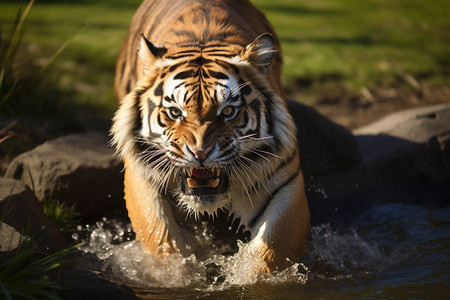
[66,218]
[362,42]
[94,31]
[11,84]
[24,276]
[359,43]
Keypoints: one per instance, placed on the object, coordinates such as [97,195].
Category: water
[391,251]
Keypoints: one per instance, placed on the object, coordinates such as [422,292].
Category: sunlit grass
[362,42]
[95,29]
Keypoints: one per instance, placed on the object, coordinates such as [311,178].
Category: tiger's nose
[199,154]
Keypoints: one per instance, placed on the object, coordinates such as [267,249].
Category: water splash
[337,253]
[334,254]
[125,261]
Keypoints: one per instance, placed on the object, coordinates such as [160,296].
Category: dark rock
[406,160]
[23,214]
[77,169]
[324,146]
[399,131]
[423,134]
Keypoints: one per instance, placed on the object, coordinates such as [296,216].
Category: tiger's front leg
[278,238]
[153,219]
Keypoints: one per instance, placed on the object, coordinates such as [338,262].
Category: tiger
[205,134]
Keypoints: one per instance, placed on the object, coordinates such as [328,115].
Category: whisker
[262,180]
[246,136]
[146,157]
[255,152]
[163,183]
[241,179]
[238,88]
[266,152]
[251,139]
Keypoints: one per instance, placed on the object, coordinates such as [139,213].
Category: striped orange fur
[205,134]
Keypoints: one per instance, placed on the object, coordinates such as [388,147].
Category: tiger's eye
[229,112]
[174,113]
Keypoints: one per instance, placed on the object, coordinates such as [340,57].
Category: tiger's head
[203,123]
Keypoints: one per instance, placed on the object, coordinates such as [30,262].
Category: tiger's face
[194,115]
[206,123]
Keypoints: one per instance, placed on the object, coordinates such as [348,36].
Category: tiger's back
[176,23]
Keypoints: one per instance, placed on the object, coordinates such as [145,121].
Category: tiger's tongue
[202,178]
[202,173]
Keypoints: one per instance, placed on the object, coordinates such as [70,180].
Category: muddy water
[398,251]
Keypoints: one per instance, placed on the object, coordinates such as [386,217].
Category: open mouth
[201,181]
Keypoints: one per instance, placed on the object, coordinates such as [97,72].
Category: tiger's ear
[260,52]
[148,52]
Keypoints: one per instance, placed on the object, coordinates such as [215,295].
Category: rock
[423,134]
[399,131]
[23,214]
[406,159]
[324,146]
[9,237]
[77,169]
